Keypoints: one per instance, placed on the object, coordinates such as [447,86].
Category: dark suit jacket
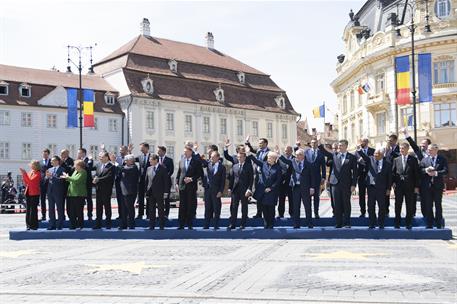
[410,177]
[159,183]
[362,168]
[142,164]
[269,177]
[440,166]
[56,184]
[382,180]
[305,175]
[216,182]
[44,168]
[393,154]
[68,165]
[105,182]
[419,153]
[89,168]
[195,170]
[129,179]
[231,158]
[241,181]
[344,175]
[286,172]
[318,170]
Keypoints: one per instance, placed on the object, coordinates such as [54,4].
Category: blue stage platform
[323,229]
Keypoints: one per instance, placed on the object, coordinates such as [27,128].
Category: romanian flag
[408,120]
[319,112]
[88,108]
[403,77]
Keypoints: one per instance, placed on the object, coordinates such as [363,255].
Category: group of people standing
[256,175]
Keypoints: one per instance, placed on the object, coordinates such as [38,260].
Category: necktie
[103,168]
[161,160]
[433,161]
[377,166]
[241,168]
[300,167]
[314,155]
[145,161]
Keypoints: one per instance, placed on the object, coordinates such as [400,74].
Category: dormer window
[3,88]
[219,93]
[173,65]
[148,85]
[241,77]
[110,98]
[25,90]
[281,101]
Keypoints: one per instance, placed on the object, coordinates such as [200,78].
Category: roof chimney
[145,30]
[209,40]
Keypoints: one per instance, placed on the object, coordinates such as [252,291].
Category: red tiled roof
[180,51]
[52,78]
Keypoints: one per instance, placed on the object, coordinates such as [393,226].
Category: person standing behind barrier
[56,192]
[77,193]
[32,193]
[433,169]
[128,179]
[45,165]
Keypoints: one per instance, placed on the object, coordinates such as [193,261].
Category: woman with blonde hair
[77,192]
[32,193]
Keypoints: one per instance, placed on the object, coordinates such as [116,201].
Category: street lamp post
[79,50]
[412,30]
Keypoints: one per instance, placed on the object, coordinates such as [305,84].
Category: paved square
[229,271]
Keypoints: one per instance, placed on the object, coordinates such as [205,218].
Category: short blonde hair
[80,163]
[35,165]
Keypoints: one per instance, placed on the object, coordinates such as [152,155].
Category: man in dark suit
[89,163]
[420,152]
[214,188]
[362,171]
[378,180]
[118,162]
[143,164]
[190,170]
[343,180]
[129,176]
[260,154]
[329,164]
[285,190]
[56,190]
[45,165]
[168,163]
[318,172]
[406,179]
[67,164]
[157,187]
[433,168]
[392,152]
[241,180]
[302,184]
[103,180]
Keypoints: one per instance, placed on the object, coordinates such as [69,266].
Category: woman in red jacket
[32,193]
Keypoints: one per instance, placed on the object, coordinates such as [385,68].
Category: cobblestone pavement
[229,271]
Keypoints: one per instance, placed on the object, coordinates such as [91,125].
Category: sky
[296,42]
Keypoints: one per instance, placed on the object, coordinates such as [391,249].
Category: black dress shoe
[429,227]
[206,227]
[216,228]
[347,226]
[296,227]
[139,217]
[72,228]
[162,227]
[439,227]
[316,216]
[371,227]
[96,227]
[180,227]
[397,226]
[338,226]
[51,228]
[132,228]
[151,228]
[310,226]
[362,215]
[409,227]
[257,216]
[190,228]
[241,227]
[108,227]
[381,227]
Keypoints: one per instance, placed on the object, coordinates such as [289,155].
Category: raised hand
[130,148]
[247,138]
[227,143]
[196,146]
[102,147]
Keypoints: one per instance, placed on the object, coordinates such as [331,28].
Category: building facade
[172,92]
[33,116]
[372,41]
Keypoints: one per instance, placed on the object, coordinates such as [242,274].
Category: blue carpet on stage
[323,229]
